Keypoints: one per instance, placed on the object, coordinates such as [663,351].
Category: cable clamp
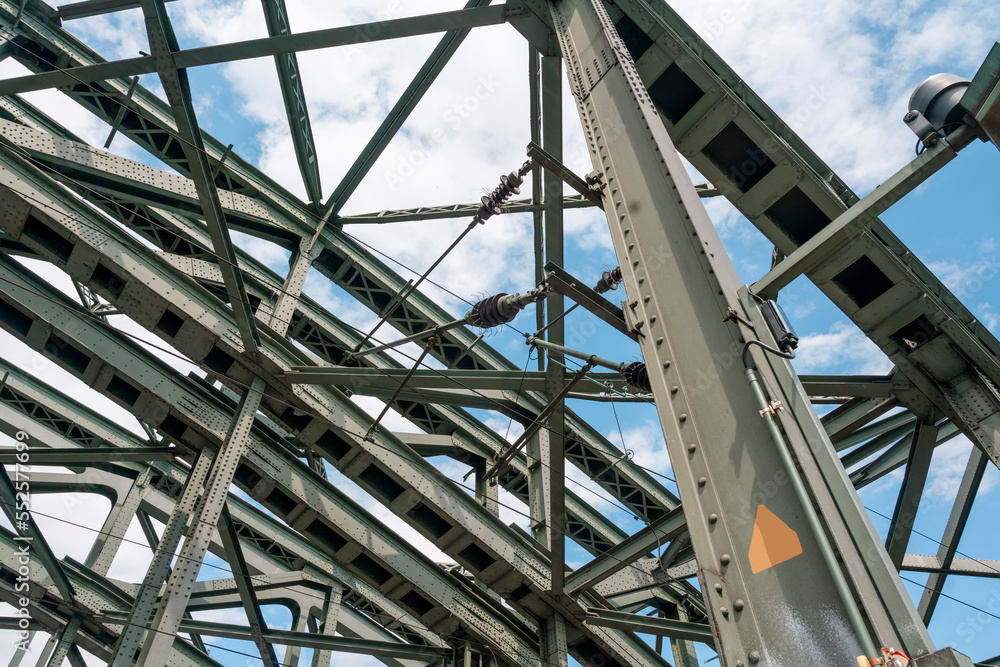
[772,409]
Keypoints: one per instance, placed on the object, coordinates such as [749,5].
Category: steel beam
[257,48]
[854,386]
[660,627]
[808,256]
[102,553]
[908,502]
[957,519]
[293,94]
[258,631]
[79,10]
[163,45]
[64,457]
[29,536]
[969,567]
[656,534]
[720,458]
[322,642]
[407,102]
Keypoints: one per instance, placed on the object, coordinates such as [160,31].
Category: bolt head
[754,657]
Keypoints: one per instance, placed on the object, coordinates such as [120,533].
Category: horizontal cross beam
[262,47]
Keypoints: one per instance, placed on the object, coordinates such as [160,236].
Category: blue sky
[861,61]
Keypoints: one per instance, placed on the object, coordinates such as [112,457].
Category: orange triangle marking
[773,541]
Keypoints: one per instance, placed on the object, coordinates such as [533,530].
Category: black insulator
[509,185]
[610,280]
[489,208]
[637,377]
[515,180]
[487,313]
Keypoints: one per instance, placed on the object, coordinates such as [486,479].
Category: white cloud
[843,345]
[947,469]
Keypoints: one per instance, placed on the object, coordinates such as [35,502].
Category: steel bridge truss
[265,417]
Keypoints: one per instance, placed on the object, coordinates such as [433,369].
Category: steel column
[245,585]
[127,649]
[204,520]
[720,448]
[290,78]
[105,548]
[962,507]
[908,502]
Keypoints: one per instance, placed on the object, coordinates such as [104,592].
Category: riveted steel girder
[721,457]
[370,281]
[286,486]
[310,324]
[769,174]
[294,96]
[454,521]
[54,420]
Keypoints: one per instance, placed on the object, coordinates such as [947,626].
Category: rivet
[652,318]
[659,341]
[739,663]
[645,299]
[754,656]
[673,390]
[718,589]
[635,263]
[712,518]
[702,481]
[642,280]
[724,611]
[666,365]
[738,604]
[691,448]
[725,559]
[683,418]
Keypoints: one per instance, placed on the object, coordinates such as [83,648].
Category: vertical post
[553,644]
[683,649]
[537,451]
[105,548]
[908,502]
[328,627]
[488,495]
[551,93]
[145,600]
[63,642]
[168,617]
[534,95]
[757,553]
